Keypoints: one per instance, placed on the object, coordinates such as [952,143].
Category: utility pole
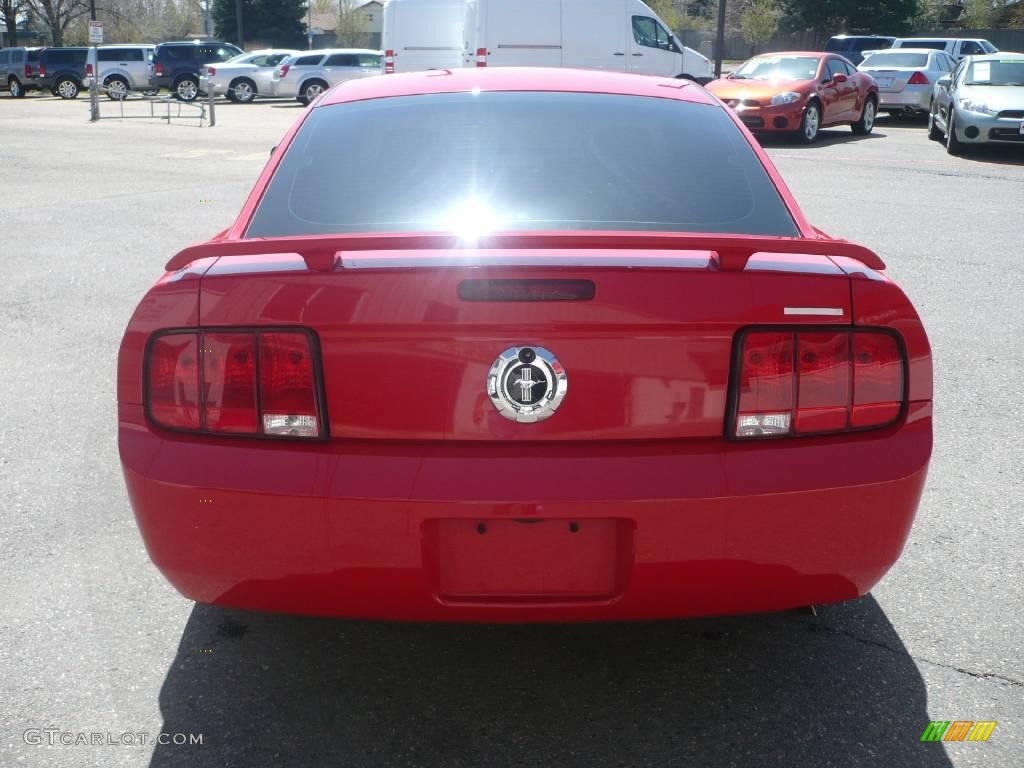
[720,44]
[238,21]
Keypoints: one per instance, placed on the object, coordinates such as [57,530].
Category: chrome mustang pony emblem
[527,384]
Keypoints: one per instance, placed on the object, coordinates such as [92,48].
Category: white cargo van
[620,35]
[422,34]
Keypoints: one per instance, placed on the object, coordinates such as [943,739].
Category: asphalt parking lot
[93,640]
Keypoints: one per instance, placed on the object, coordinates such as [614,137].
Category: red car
[523,345]
[800,93]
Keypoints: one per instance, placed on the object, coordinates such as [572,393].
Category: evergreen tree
[278,23]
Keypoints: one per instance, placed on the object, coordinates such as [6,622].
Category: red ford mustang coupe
[523,345]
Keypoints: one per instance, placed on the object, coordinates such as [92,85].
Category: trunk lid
[648,357]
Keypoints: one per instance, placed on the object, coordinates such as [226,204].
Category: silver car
[981,102]
[307,75]
[244,77]
[906,76]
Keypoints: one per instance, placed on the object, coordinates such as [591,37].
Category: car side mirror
[839,78]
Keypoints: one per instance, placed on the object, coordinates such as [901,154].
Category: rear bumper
[365,529]
[916,97]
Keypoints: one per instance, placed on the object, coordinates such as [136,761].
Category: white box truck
[619,35]
[422,34]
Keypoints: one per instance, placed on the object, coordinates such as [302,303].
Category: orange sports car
[800,93]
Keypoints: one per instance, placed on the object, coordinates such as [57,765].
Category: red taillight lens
[159,69]
[284,70]
[88,70]
[211,71]
[229,382]
[389,62]
[877,380]
[28,70]
[481,57]
[252,383]
[173,381]
[814,382]
[918,78]
[42,70]
[823,394]
[287,385]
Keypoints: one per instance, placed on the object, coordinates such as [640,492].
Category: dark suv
[853,46]
[62,71]
[176,66]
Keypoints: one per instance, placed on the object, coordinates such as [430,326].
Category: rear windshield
[938,45]
[66,55]
[519,162]
[896,59]
[837,44]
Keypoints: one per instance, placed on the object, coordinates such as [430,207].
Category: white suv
[305,76]
[957,47]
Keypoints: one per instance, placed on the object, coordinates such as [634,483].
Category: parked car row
[66,72]
[976,100]
[856,47]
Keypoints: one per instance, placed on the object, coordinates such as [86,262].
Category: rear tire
[242,91]
[810,124]
[311,90]
[934,133]
[186,89]
[66,88]
[866,123]
[17,91]
[117,88]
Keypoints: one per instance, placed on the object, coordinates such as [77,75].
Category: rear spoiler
[731,252]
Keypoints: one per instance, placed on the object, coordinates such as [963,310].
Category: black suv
[176,66]
[853,46]
[62,71]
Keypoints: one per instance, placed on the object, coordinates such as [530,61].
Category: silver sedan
[244,77]
[905,77]
[981,102]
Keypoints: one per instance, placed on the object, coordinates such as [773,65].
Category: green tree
[978,14]
[351,31]
[271,22]
[667,12]
[759,22]
[829,17]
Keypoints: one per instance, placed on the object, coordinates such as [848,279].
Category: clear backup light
[806,382]
[287,386]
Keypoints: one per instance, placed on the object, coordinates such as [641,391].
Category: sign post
[95,38]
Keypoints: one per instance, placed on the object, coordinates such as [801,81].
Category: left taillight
[223,381]
[816,381]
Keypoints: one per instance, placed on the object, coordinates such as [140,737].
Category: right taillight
[42,69]
[918,78]
[389,62]
[816,381]
[223,381]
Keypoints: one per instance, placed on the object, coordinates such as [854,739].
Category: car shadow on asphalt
[826,138]
[784,689]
